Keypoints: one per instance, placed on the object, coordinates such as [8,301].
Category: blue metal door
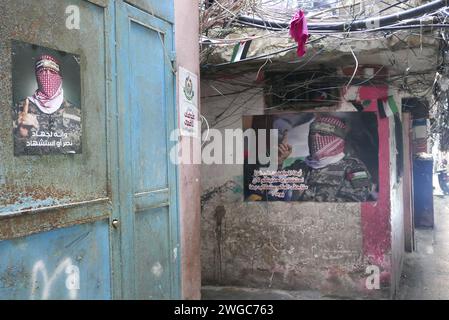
[423,193]
[147,177]
[55,210]
[101,224]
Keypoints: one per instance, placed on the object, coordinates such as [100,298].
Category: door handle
[115,223]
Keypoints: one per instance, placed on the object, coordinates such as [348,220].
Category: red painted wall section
[375,218]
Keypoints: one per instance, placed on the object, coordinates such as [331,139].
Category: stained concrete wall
[397,204]
[296,246]
[398,198]
[187,52]
[409,241]
[397,223]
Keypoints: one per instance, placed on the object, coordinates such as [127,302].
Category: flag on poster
[387,107]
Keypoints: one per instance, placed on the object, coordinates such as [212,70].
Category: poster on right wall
[322,157]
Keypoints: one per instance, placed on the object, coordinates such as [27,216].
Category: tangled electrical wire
[440,106]
[334,24]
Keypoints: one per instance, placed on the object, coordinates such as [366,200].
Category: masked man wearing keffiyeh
[49,95]
[331,176]
[45,122]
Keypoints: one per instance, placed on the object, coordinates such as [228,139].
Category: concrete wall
[409,241]
[297,246]
[397,216]
[187,51]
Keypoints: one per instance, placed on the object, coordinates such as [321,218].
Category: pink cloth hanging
[299,31]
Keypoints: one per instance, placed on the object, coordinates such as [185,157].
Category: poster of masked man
[322,157]
[46,101]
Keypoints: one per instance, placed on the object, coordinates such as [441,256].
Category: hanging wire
[220,31]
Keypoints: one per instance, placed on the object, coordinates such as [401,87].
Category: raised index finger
[284,138]
[25,108]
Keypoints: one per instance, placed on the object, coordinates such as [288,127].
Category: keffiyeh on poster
[322,157]
[46,101]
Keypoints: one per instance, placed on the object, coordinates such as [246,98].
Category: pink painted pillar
[376,226]
[187,56]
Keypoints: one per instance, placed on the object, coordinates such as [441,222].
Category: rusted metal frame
[51,208]
[49,219]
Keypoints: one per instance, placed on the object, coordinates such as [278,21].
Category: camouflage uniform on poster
[46,123]
[329,174]
[64,127]
[347,180]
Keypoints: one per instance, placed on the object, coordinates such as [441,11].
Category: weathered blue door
[101,224]
[149,219]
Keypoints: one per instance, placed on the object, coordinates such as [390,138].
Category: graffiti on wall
[42,282]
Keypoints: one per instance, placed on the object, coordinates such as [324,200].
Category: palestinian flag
[240,51]
[387,107]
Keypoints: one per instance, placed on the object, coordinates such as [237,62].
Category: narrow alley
[426,270]
[224,150]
